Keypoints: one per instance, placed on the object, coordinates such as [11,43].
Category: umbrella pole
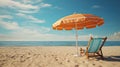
[76,42]
[76,39]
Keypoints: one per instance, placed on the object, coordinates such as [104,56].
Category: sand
[62,56]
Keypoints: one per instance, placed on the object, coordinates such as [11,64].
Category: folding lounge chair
[94,47]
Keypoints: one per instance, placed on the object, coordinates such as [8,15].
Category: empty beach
[56,56]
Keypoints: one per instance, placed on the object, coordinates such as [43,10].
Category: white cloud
[21,14]
[5,17]
[35,35]
[30,31]
[28,11]
[30,1]
[24,37]
[15,4]
[44,29]
[22,32]
[25,34]
[19,9]
[24,6]
[35,20]
[57,7]
[96,6]
[114,37]
[30,18]
[45,5]
[9,25]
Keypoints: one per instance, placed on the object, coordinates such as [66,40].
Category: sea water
[53,43]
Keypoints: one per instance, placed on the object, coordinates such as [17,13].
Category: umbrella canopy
[78,22]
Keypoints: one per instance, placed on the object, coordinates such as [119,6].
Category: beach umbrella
[78,22]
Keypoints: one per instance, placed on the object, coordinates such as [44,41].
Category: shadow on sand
[112,58]
[108,58]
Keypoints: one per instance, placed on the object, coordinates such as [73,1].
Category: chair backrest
[96,44]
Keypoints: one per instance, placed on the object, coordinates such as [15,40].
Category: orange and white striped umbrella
[78,22]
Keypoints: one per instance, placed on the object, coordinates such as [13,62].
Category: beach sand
[61,56]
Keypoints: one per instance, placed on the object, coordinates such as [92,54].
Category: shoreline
[53,43]
[52,46]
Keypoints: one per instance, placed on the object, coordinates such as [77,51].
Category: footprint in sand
[100,66]
[93,64]
[76,65]
[56,58]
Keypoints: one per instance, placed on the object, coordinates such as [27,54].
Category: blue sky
[31,20]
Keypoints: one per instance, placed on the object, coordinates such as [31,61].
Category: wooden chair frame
[98,53]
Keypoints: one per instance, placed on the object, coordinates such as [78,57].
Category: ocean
[53,43]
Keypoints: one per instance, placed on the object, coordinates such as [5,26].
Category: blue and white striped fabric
[95,45]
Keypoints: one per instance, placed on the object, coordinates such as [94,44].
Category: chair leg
[101,54]
[81,51]
[87,55]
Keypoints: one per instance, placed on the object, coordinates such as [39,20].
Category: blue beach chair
[94,47]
